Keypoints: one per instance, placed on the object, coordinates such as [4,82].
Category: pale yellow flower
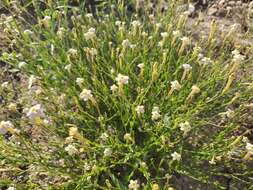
[175,85]
[79,81]
[155,113]
[107,152]
[35,112]
[133,185]
[71,149]
[126,43]
[114,88]
[5,126]
[176,156]
[185,127]
[90,34]
[86,95]
[140,109]
[155,186]
[122,79]
[73,131]
[249,148]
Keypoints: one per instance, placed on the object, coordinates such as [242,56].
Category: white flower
[151,16]
[185,40]
[134,185]
[12,107]
[112,71]
[185,127]
[68,67]
[28,32]
[104,136]
[93,51]
[245,139]
[92,30]
[230,113]
[175,85]
[237,57]
[5,126]
[118,23]
[90,34]
[187,67]
[132,46]
[143,164]
[46,121]
[212,161]
[126,43]
[35,112]
[206,61]
[160,43]
[191,8]
[69,140]
[5,84]
[136,23]
[164,34]
[11,188]
[200,56]
[87,167]
[140,109]
[60,32]
[127,137]
[46,21]
[176,156]
[86,95]
[195,89]
[121,28]
[176,33]
[122,79]
[249,148]
[141,65]
[155,113]
[71,149]
[32,79]
[79,81]
[107,152]
[114,88]
[144,34]
[235,52]
[89,15]
[73,52]
[158,25]
[21,64]
[47,18]
[155,186]
[73,131]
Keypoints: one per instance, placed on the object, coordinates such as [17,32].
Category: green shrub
[124,102]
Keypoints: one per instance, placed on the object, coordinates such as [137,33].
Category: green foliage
[88,79]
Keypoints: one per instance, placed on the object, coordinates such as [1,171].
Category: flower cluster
[185,127]
[90,34]
[122,79]
[35,112]
[6,126]
[140,110]
[86,95]
[155,113]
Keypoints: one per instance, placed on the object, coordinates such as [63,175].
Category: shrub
[124,102]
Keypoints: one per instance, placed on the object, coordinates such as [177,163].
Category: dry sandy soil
[227,14]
